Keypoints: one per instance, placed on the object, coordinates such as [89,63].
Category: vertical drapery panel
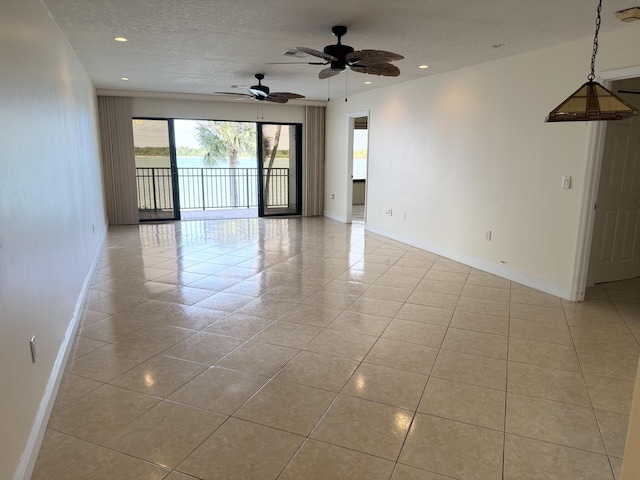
[313,171]
[118,160]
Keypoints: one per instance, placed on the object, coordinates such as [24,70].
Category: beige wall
[52,218]
[214,110]
[469,151]
[359,192]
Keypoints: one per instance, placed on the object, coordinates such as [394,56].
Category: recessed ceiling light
[368,83]
[124,78]
[120,39]
[422,67]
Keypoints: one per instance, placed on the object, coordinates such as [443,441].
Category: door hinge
[595,205]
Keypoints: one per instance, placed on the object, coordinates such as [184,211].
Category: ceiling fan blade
[384,69]
[329,72]
[235,94]
[284,95]
[372,57]
[316,53]
[276,100]
[297,63]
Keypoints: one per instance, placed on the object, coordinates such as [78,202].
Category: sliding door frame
[298,175]
[173,166]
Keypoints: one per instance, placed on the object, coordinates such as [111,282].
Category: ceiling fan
[339,57]
[262,93]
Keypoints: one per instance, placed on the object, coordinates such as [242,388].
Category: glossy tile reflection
[305,348]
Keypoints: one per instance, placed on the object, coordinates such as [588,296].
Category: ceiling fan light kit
[592,101]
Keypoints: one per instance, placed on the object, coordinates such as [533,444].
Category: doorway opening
[217,169]
[615,244]
[280,161]
[357,167]
[156,173]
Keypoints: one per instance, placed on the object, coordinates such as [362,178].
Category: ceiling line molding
[198,97]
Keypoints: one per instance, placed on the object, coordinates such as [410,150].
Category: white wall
[214,110]
[468,151]
[52,218]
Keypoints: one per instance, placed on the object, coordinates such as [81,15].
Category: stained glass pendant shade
[592,101]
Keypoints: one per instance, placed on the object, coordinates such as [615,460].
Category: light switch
[566,181]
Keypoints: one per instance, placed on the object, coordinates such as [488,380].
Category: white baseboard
[32,448]
[333,216]
[481,264]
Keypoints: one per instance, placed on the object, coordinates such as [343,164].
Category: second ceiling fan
[339,57]
[263,93]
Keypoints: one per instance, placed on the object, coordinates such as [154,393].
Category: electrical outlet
[404,215]
[487,235]
[389,212]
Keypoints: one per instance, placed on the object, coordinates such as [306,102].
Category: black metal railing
[207,188]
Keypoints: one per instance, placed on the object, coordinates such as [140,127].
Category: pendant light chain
[592,75]
[346,84]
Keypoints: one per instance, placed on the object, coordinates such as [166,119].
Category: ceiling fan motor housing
[340,52]
[259,90]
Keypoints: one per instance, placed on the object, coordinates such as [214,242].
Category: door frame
[587,216]
[173,165]
[298,175]
[349,171]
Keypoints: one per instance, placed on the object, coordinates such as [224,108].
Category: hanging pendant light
[592,101]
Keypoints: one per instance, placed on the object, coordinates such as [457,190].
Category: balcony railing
[208,188]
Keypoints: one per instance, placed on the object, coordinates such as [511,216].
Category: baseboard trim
[335,217]
[481,264]
[32,448]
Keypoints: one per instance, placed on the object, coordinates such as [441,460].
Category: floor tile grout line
[361,362]
[379,336]
[616,306]
[506,391]
[593,409]
[330,405]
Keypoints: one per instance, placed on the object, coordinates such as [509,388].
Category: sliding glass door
[279,166]
[218,173]
[156,172]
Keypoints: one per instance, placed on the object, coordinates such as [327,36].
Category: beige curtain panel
[118,160]
[313,171]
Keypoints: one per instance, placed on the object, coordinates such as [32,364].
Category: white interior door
[615,250]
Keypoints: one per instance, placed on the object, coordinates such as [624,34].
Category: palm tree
[225,141]
[271,152]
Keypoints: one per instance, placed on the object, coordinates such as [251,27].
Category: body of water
[359,164]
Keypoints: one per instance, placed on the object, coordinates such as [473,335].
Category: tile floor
[309,349]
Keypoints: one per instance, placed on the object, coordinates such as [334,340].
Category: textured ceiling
[206,46]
